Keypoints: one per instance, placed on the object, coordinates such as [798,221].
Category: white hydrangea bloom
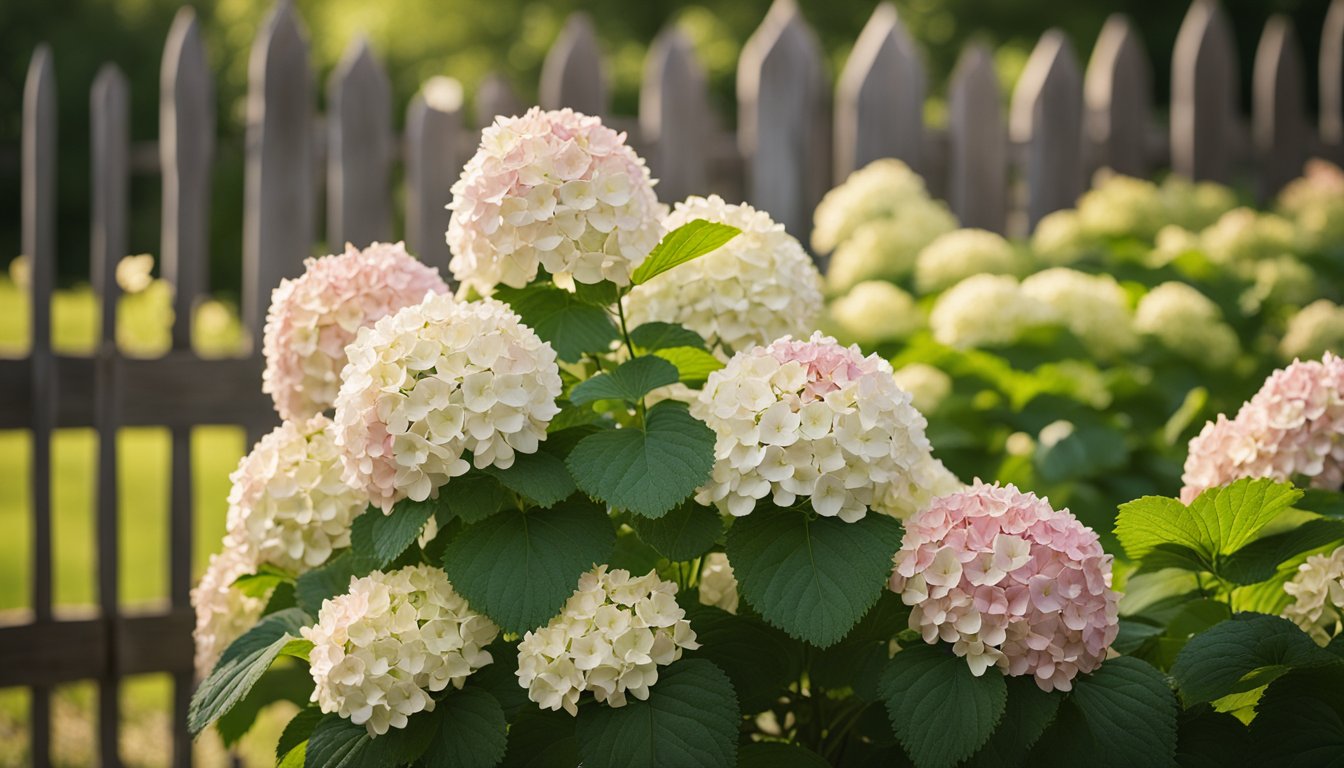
[1281,280]
[878,190]
[433,381]
[1172,243]
[886,249]
[986,311]
[1316,329]
[552,189]
[929,480]
[393,639]
[1188,323]
[1121,206]
[1094,307]
[223,613]
[1060,239]
[718,585]
[1318,592]
[1244,236]
[875,311]
[613,635]
[759,286]
[961,253]
[1194,205]
[289,505]
[928,386]
[809,419]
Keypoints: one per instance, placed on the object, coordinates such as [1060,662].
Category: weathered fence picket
[785,152]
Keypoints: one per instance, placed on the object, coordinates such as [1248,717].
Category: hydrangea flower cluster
[551,189]
[313,317]
[1316,329]
[1059,239]
[393,639]
[718,585]
[759,286]
[1010,582]
[1187,323]
[1244,236]
[986,311]
[928,386]
[961,253]
[809,418]
[223,612]
[1093,307]
[433,381]
[612,636]
[1294,426]
[875,311]
[1318,596]
[289,506]
[1315,203]
[883,189]
[887,249]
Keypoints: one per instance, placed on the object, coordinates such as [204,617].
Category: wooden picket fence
[793,141]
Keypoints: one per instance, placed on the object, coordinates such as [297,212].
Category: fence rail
[1001,169]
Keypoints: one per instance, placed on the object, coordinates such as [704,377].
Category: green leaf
[471,497]
[1122,715]
[1235,513]
[572,326]
[1147,523]
[519,567]
[472,731]
[1322,502]
[629,381]
[689,719]
[1028,713]
[632,554]
[1244,652]
[295,757]
[282,682]
[500,679]
[737,644]
[282,597]
[927,685]
[812,577]
[541,477]
[541,739]
[1208,739]
[655,335]
[1299,722]
[685,533]
[339,743]
[646,471]
[689,241]
[603,294]
[330,579]
[298,649]
[774,754]
[1194,403]
[1260,560]
[1081,451]
[297,730]
[241,665]
[381,538]
[693,365]
[260,584]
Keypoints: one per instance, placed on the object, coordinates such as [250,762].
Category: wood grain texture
[359,150]
[1046,120]
[1204,95]
[1118,92]
[879,100]
[977,143]
[674,117]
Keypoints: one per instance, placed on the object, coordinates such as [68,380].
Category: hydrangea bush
[619,502]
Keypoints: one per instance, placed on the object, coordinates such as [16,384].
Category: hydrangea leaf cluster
[314,316]
[1009,582]
[555,190]
[384,647]
[437,380]
[810,419]
[1292,427]
[612,636]
[759,286]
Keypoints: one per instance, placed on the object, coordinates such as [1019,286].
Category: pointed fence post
[1047,115]
[359,150]
[433,133]
[1118,91]
[977,142]
[1204,95]
[1332,83]
[571,75]
[495,97]
[1279,120]
[674,116]
[879,101]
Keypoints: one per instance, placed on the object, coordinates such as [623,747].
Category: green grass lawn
[144,456]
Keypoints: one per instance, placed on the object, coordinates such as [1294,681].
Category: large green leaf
[1246,651]
[241,665]
[541,739]
[646,471]
[339,743]
[656,335]
[572,326]
[1026,716]
[628,381]
[693,365]
[472,731]
[941,713]
[330,579]
[690,719]
[500,679]
[1260,560]
[381,538]
[1299,722]
[1121,715]
[737,644]
[1082,451]
[471,497]
[282,682]
[519,567]
[297,730]
[541,477]
[811,576]
[685,533]
[774,754]
[1209,739]
[689,241]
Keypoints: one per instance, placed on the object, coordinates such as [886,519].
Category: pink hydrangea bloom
[557,190]
[313,317]
[1294,426]
[1010,582]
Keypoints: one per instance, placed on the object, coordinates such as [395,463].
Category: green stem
[629,345]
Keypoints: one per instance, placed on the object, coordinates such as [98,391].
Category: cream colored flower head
[887,248]
[1317,590]
[223,613]
[385,646]
[718,585]
[1316,329]
[1187,323]
[434,381]
[614,633]
[928,386]
[809,419]
[1093,307]
[873,312]
[557,190]
[987,311]
[759,286]
[961,253]
[878,190]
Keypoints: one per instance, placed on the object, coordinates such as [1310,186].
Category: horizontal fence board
[53,652]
